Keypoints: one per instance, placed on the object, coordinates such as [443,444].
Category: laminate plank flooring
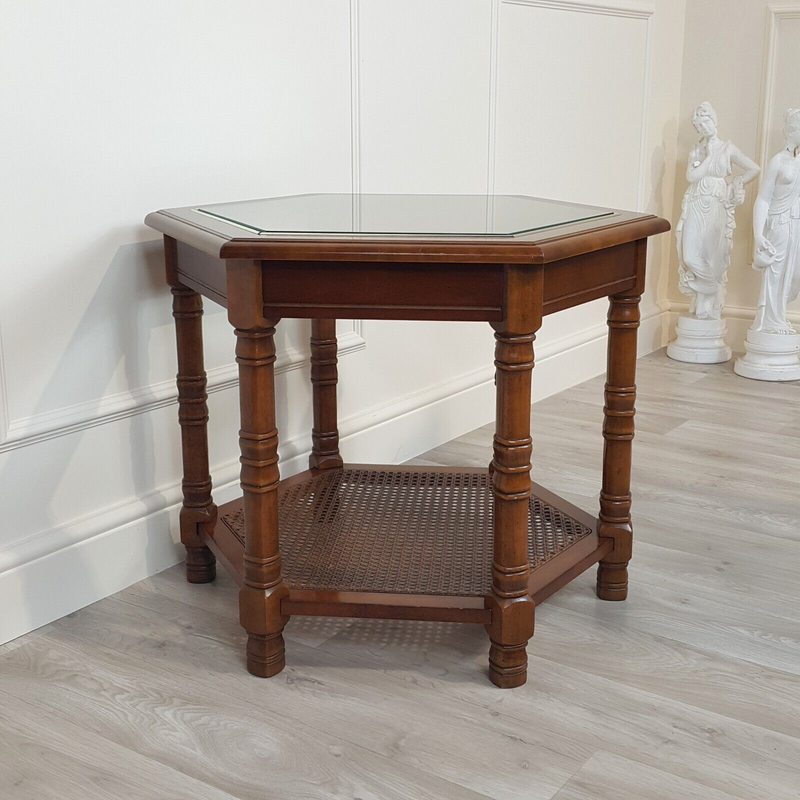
[689,690]
[609,777]
[41,760]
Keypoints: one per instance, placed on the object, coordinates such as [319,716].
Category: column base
[770,357]
[700,341]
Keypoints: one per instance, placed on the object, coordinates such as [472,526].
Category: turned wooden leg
[198,509]
[620,399]
[263,588]
[324,377]
[510,603]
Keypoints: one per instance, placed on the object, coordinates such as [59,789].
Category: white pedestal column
[770,357]
[700,341]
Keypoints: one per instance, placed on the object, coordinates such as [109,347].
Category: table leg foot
[508,665]
[509,631]
[201,566]
[612,581]
[266,655]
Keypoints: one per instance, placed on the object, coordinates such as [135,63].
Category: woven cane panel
[401,532]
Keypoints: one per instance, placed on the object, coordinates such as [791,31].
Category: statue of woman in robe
[705,229]
[776,224]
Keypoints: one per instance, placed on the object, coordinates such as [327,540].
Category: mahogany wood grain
[407,290]
[263,587]
[510,601]
[324,378]
[383,291]
[386,605]
[589,277]
[225,241]
[618,430]
[204,273]
[198,508]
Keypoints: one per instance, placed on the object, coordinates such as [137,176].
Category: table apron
[412,291]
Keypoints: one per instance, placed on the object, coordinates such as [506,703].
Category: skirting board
[80,563]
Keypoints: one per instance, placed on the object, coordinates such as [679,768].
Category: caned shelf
[361,536]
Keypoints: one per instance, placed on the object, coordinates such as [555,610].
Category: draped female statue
[705,229]
[776,223]
[773,345]
[705,236]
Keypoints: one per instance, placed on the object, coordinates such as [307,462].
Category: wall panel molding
[776,14]
[40,427]
[494,39]
[5,422]
[355,97]
[637,10]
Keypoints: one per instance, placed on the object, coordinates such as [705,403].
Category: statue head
[705,119]
[791,129]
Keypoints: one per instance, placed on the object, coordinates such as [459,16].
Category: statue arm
[749,167]
[696,169]
[761,209]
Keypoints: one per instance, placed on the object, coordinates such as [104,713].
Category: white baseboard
[58,571]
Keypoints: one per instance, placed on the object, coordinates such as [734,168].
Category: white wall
[744,57]
[112,110]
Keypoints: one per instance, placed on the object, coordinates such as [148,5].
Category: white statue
[772,343]
[705,236]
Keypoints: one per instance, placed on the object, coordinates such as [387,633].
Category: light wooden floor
[691,689]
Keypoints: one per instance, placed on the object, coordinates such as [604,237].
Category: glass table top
[401,214]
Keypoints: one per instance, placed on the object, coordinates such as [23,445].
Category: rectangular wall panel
[782,90]
[423,94]
[571,102]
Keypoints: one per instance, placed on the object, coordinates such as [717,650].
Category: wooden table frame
[511,283]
